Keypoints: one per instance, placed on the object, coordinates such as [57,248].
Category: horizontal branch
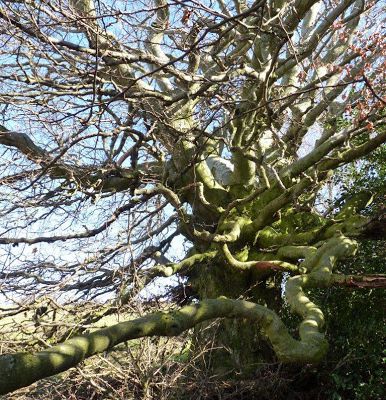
[359,281]
[22,369]
[88,177]
[180,267]
[260,266]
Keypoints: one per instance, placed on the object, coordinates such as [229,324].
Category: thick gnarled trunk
[232,347]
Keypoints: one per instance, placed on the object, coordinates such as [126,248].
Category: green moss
[270,237]
[355,204]
[351,225]
[298,221]
[242,255]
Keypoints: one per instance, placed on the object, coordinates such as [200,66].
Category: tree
[127,125]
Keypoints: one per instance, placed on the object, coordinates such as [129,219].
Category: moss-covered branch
[320,264]
[232,231]
[257,265]
[180,267]
[22,369]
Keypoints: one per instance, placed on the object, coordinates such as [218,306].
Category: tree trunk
[233,346]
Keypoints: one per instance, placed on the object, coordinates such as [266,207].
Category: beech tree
[187,139]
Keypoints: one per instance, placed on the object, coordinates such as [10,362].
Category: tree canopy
[203,141]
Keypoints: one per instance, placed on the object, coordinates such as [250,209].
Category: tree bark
[232,347]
